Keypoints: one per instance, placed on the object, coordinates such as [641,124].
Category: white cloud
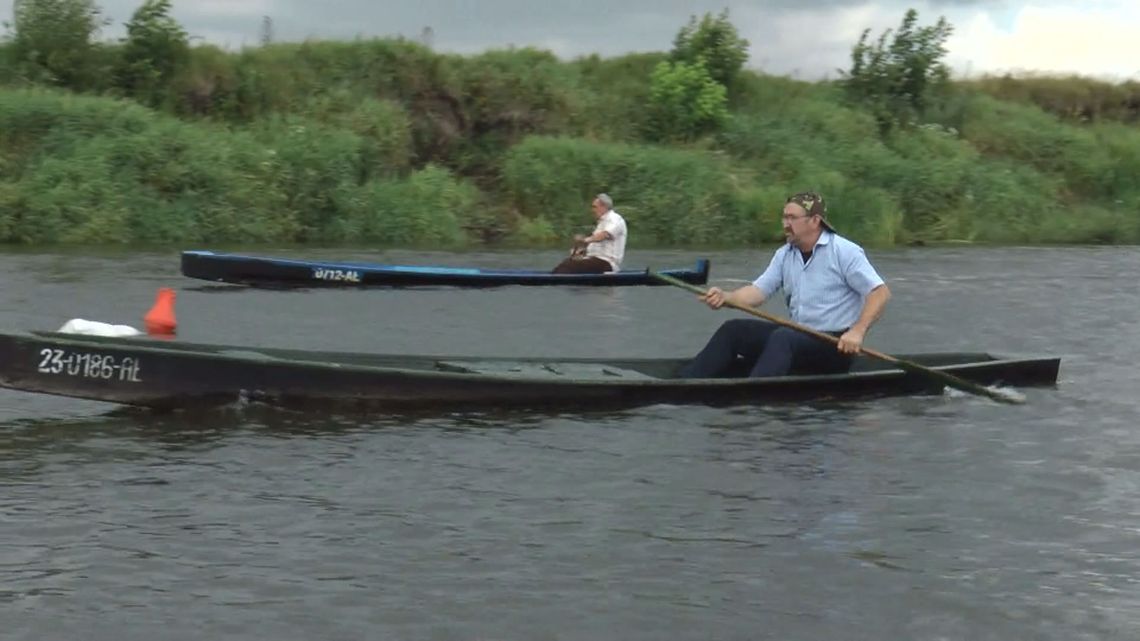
[225,8]
[1095,39]
[815,42]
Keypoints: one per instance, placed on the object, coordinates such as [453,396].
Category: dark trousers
[576,265]
[757,348]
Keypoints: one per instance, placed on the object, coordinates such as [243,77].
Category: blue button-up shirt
[827,292]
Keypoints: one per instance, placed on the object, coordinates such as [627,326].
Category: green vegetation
[153,140]
[898,83]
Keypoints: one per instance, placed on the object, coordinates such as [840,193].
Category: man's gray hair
[605,200]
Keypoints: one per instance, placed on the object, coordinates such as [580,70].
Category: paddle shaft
[947,379]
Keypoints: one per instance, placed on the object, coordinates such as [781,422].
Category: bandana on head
[813,204]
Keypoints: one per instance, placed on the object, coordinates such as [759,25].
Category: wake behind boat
[173,374]
[285,272]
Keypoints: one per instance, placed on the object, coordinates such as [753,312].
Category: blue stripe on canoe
[427,270]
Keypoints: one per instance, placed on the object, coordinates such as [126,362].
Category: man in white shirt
[603,250]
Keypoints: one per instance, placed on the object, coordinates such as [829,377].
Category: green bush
[1121,143]
[155,50]
[96,170]
[426,208]
[309,162]
[1025,133]
[462,111]
[921,184]
[1006,202]
[684,102]
[53,41]
[612,94]
[505,95]
[828,148]
[8,74]
[1072,98]
[37,123]
[165,184]
[713,43]
[898,82]
[666,196]
[813,132]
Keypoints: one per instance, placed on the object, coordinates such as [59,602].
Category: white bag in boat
[96,328]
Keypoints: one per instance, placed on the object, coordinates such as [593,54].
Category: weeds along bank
[386,141]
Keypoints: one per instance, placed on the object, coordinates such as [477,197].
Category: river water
[938,517]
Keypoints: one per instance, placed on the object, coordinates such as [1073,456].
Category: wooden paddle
[946,379]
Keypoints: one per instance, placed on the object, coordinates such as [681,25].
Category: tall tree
[715,41]
[53,40]
[899,81]
[155,49]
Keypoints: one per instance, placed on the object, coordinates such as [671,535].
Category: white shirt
[611,250]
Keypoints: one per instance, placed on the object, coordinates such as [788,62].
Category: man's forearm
[872,308]
[747,296]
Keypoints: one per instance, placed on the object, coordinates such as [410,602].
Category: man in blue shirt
[828,285]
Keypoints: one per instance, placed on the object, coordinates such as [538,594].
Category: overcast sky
[804,38]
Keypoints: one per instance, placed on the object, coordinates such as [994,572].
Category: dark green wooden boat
[173,374]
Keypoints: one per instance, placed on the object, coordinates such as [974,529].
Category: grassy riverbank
[387,141]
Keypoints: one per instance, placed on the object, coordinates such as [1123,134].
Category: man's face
[797,223]
[599,208]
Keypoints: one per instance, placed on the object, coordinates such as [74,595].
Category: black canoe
[171,374]
[285,272]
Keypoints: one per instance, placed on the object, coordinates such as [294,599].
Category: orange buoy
[160,319]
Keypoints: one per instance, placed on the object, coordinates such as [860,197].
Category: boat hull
[167,374]
[282,273]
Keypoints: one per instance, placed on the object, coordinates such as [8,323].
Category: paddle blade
[1003,395]
[949,380]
